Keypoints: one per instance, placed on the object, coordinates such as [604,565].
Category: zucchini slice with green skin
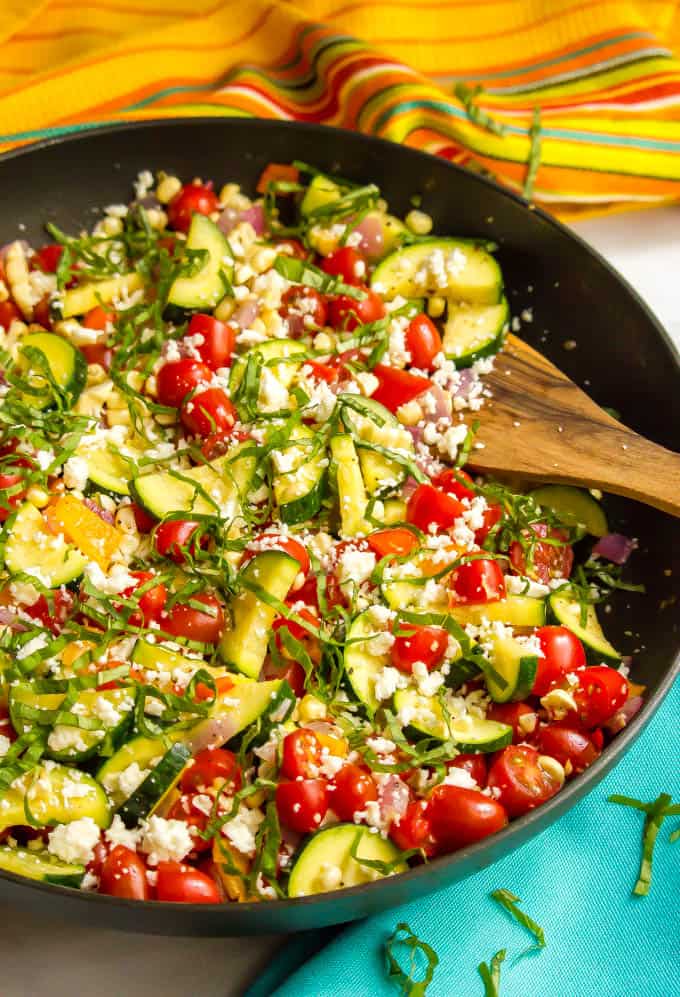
[151,792]
[145,752]
[325,862]
[81,299]
[108,468]
[57,794]
[30,547]
[453,268]
[378,426]
[574,506]
[474,331]
[12,810]
[66,364]
[299,490]
[426,719]
[362,665]
[352,498]
[321,191]
[567,612]
[271,349]
[40,865]
[244,645]
[514,610]
[205,288]
[510,658]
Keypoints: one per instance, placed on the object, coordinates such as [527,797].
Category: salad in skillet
[261,634]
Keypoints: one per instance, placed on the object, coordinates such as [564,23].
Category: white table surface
[43,959]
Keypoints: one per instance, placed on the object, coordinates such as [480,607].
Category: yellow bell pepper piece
[96,538]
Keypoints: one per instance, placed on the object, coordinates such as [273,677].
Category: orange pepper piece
[96,538]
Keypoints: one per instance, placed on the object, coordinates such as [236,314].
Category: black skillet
[623,358]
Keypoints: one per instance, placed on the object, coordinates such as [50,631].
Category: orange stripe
[64,33]
[121,8]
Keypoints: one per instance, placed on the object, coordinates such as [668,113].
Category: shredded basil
[655,814]
[302,272]
[511,903]
[417,952]
[491,974]
[534,154]
[467,96]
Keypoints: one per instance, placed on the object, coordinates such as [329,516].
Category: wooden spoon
[540,426]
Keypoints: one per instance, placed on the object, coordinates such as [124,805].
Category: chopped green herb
[534,154]
[466,95]
[417,951]
[508,900]
[491,974]
[656,812]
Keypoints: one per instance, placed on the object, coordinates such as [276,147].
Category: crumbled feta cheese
[130,778]
[355,565]
[74,842]
[119,834]
[165,840]
[242,828]
[387,681]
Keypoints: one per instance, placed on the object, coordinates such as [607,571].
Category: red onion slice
[228,220]
[255,216]
[394,797]
[615,547]
[246,313]
[372,242]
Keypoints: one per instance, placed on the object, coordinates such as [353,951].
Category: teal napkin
[575,880]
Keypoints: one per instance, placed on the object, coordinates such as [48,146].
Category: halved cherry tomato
[461,817]
[47,257]
[454,482]
[152,601]
[420,643]
[219,340]
[9,482]
[211,766]
[184,809]
[8,314]
[396,540]
[302,804]
[123,875]
[98,353]
[423,341]
[283,625]
[323,371]
[601,693]
[428,507]
[184,620]
[177,378]
[351,789]
[99,318]
[180,883]
[414,829]
[491,515]
[520,716]
[562,653]
[290,671]
[276,171]
[193,198]
[54,618]
[303,308]
[348,313]
[143,521]
[397,387]
[347,263]
[300,754]
[276,541]
[520,781]
[42,312]
[568,745]
[481,580]
[209,411]
[174,535]
[475,765]
[546,560]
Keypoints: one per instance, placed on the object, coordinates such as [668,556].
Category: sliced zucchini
[517,667]
[567,611]
[108,468]
[453,268]
[40,865]
[426,718]
[151,792]
[377,427]
[362,665]
[204,289]
[514,610]
[12,811]
[244,645]
[474,331]
[155,657]
[299,490]
[394,511]
[66,365]
[352,497]
[239,707]
[394,232]
[321,191]
[271,350]
[83,298]
[574,506]
[31,548]
[325,860]
[145,752]
[56,794]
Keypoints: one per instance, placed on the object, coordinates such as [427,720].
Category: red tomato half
[397,387]
[396,540]
[520,781]
[209,411]
[429,507]
[275,541]
[454,482]
[520,716]
[172,539]
[291,672]
[550,560]
[8,482]
[47,257]
[601,693]
[98,353]
[212,766]
[143,521]
[304,309]
[99,318]
[302,804]
[193,624]
[414,830]
[193,198]
[348,313]
[323,371]
[461,817]
[423,342]
[54,618]
[123,875]
[152,601]
[481,580]
[183,809]
[176,379]
[562,653]
[570,746]
[219,340]
[422,643]
[180,883]
[351,789]
[474,765]
[346,263]
[300,754]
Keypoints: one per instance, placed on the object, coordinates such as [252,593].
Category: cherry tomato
[423,342]
[152,601]
[219,340]
[8,314]
[304,308]
[193,198]
[323,371]
[302,804]
[570,746]
[194,624]
[491,515]
[174,535]
[291,247]
[562,653]
[184,809]
[414,829]
[519,779]
[460,817]
[290,671]
[100,853]
[397,387]
[601,693]
[275,541]
[550,560]
[55,617]
[429,507]
[180,883]
[177,378]
[454,482]
[475,765]
[520,716]
[7,482]
[481,580]
[300,754]
[98,353]
[348,313]
[311,644]
[419,643]
[346,263]
[47,257]
[208,412]
[395,540]
[351,789]
[123,875]
[42,312]
[99,318]
[143,521]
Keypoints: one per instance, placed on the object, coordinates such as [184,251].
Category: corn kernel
[324,341]
[409,414]
[167,188]
[263,259]
[157,218]
[436,306]
[311,708]
[419,222]
[256,800]
[37,496]
[552,767]
[125,521]
[225,309]
[118,417]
